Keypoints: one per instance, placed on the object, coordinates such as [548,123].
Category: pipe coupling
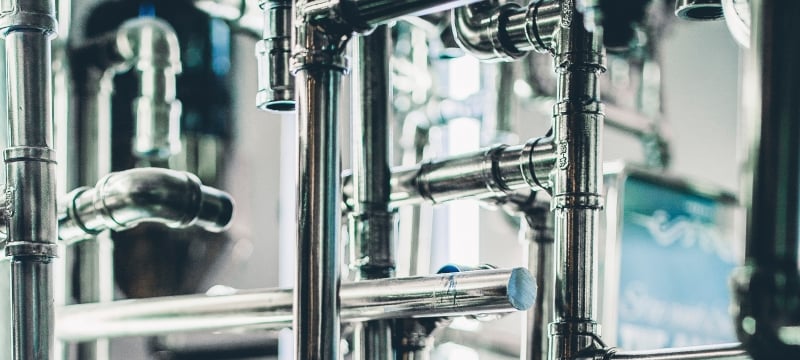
[274,55]
[480,30]
[27,15]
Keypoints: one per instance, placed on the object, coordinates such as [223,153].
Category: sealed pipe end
[521,289]
[216,210]
[699,10]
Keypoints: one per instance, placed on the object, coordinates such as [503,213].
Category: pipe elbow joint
[480,30]
[767,311]
[149,43]
[125,199]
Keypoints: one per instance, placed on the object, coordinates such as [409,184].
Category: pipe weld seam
[319,60]
[29,153]
[72,212]
[568,107]
[31,249]
[528,168]
[493,174]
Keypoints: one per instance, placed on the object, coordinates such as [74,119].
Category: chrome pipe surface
[577,182]
[489,173]
[273,52]
[123,200]
[362,15]
[451,294]
[150,47]
[318,65]
[710,352]
[371,224]
[27,27]
[767,288]
[699,10]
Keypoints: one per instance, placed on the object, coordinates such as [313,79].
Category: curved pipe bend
[124,199]
[479,29]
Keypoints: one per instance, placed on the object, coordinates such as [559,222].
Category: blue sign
[676,254]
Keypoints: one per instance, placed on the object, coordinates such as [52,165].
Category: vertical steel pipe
[536,231]
[372,223]
[767,288]
[30,206]
[577,182]
[275,81]
[318,64]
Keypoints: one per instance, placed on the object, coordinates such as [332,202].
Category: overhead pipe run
[28,27]
[123,200]
[453,294]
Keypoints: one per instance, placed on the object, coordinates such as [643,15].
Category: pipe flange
[29,153]
[31,249]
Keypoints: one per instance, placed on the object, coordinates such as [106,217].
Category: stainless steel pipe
[362,15]
[698,9]
[491,172]
[275,81]
[30,204]
[577,183]
[123,200]
[452,294]
[149,46]
[372,225]
[318,64]
[767,288]
[710,352]
[240,14]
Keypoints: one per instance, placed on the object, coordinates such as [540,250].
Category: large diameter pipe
[318,65]
[767,288]
[372,225]
[452,294]
[123,200]
[709,352]
[362,15]
[30,205]
[577,182]
[493,172]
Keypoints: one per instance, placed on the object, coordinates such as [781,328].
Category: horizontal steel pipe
[494,172]
[710,352]
[124,199]
[452,294]
[362,15]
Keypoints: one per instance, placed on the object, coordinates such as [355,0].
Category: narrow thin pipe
[27,27]
[577,182]
[452,294]
[710,352]
[123,200]
[371,223]
[767,288]
[491,172]
[318,65]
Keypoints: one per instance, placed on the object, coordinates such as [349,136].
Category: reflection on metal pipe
[124,199]
[479,29]
[149,46]
[712,352]
[372,225]
[698,9]
[577,182]
[30,204]
[362,15]
[492,172]
[275,81]
[767,288]
[453,294]
[318,64]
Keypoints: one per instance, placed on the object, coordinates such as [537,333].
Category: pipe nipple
[699,10]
